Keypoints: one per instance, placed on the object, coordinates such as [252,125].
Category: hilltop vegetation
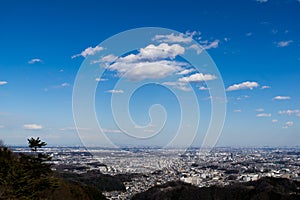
[264,189]
[24,176]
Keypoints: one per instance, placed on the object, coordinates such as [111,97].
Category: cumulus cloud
[34,60]
[3,82]
[172,38]
[88,51]
[243,86]
[263,115]
[115,91]
[284,43]
[274,120]
[152,62]
[198,77]
[282,98]
[32,127]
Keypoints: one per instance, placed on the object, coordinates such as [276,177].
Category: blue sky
[254,44]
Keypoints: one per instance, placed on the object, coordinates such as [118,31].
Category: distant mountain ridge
[266,188]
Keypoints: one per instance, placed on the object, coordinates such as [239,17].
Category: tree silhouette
[35,143]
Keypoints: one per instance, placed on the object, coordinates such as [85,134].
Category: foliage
[24,176]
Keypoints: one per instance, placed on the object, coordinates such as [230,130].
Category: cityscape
[151,167]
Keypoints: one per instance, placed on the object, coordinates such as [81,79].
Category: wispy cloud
[186,71]
[243,86]
[100,79]
[88,51]
[249,34]
[74,129]
[288,124]
[282,98]
[32,127]
[112,131]
[65,84]
[237,110]
[172,38]
[260,110]
[262,1]
[34,60]
[284,43]
[203,88]
[289,112]
[264,115]
[115,91]
[274,120]
[265,87]
[3,82]
[178,85]
[205,46]
[198,77]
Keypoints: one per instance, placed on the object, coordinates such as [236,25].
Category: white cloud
[65,85]
[186,71]
[2,126]
[198,77]
[147,70]
[284,43]
[3,82]
[115,91]
[100,79]
[88,51]
[260,110]
[178,85]
[249,34]
[161,51]
[112,131]
[106,59]
[262,1]
[150,62]
[34,60]
[75,129]
[203,88]
[263,115]
[243,86]
[274,120]
[205,46]
[289,112]
[282,98]
[237,111]
[289,123]
[32,127]
[265,87]
[172,38]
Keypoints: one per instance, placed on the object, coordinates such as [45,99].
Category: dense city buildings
[148,167]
